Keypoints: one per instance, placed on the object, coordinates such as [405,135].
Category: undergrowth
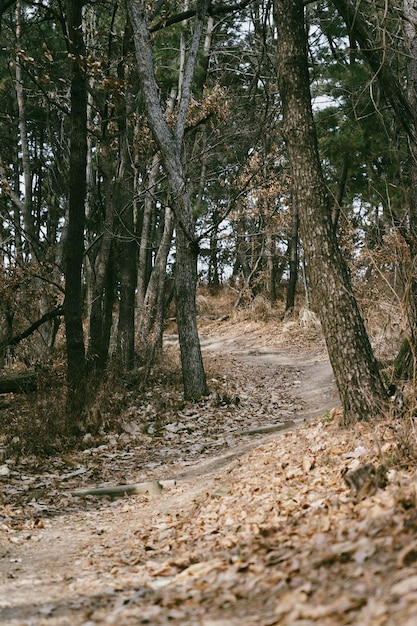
[35,423]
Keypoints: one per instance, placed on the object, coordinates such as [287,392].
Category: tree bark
[125,348]
[29,224]
[145,251]
[74,246]
[293,262]
[98,344]
[170,145]
[151,320]
[355,368]
[405,365]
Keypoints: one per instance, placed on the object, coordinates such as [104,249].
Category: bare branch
[13,341]
[375,55]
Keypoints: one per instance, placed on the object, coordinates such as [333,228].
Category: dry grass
[257,310]
[32,423]
[216,304]
[35,423]
[406,438]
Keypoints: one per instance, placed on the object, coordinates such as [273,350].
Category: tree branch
[186,15]
[13,341]
[202,6]
[376,57]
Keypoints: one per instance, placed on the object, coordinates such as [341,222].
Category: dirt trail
[87,563]
[313,380]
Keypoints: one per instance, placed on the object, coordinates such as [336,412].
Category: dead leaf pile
[275,537]
[267,532]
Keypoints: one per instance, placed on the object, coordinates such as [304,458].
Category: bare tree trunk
[185,280]
[144,263]
[354,365]
[213,268]
[292,281]
[74,246]
[271,266]
[170,144]
[98,344]
[150,326]
[406,361]
[125,349]
[29,225]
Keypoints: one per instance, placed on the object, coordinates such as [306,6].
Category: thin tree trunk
[97,344]
[29,225]
[74,248]
[355,368]
[293,264]
[341,184]
[125,349]
[145,255]
[149,328]
[170,145]
[213,268]
[271,266]
[405,365]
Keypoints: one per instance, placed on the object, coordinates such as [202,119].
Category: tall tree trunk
[150,328]
[292,281]
[74,247]
[98,344]
[28,220]
[213,265]
[271,262]
[125,348]
[405,365]
[404,107]
[185,281]
[145,252]
[355,368]
[170,144]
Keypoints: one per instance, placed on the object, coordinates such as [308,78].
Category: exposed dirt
[261,532]
[310,373]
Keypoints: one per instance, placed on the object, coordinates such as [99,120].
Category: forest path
[312,376]
[66,561]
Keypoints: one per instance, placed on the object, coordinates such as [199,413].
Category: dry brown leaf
[405,586]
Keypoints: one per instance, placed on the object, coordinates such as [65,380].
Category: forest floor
[255,524]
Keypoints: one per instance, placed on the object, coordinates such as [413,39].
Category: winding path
[313,380]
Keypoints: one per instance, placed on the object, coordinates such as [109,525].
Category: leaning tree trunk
[403,103]
[355,368]
[151,318]
[74,248]
[170,143]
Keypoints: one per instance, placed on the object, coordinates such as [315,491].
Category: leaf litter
[249,529]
